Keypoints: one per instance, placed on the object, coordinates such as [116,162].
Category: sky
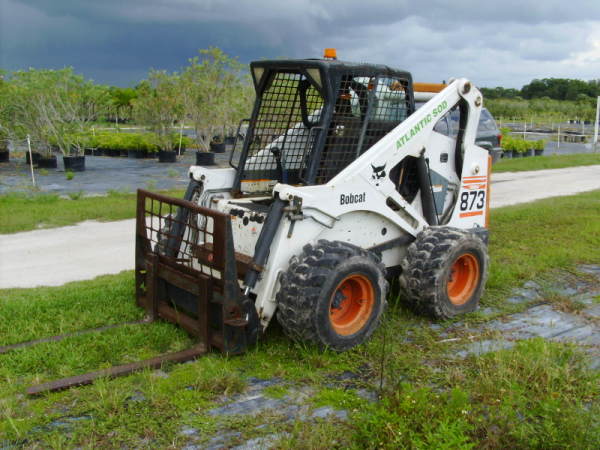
[494,43]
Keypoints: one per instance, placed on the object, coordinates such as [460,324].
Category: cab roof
[332,66]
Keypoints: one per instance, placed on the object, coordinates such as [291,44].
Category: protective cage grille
[365,110]
[290,107]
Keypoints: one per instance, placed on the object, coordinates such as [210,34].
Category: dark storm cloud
[495,43]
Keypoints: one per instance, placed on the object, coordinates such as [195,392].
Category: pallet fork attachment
[186,272]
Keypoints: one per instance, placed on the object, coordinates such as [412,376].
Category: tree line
[548,99]
[552,88]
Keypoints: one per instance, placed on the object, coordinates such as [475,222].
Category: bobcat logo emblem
[378,173]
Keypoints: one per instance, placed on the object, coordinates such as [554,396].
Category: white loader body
[361,205]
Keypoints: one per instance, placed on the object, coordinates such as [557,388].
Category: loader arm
[365,184]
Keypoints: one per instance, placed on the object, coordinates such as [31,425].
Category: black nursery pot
[217,148]
[47,163]
[205,159]
[74,163]
[167,157]
[4,155]
[135,154]
[34,155]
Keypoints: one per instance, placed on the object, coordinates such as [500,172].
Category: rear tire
[332,295]
[444,272]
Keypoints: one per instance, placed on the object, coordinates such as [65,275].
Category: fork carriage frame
[192,284]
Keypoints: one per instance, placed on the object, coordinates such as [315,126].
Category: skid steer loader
[338,185]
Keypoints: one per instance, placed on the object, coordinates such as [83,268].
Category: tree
[216,93]
[159,105]
[6,113]
[560,88]
[122,101]
[54,107]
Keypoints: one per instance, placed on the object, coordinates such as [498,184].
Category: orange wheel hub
[351,304]
[463,279]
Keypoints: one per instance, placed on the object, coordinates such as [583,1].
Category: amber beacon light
[330,53]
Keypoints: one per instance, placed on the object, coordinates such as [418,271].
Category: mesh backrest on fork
[182,233]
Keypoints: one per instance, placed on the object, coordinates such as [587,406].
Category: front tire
[444,272]
[332,295]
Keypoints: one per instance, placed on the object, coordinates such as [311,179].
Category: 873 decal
[472,201]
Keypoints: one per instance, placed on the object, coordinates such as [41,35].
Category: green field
[22,212]
[536,395]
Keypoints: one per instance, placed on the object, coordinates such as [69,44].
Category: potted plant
[182,143]
[507,147]
[4,153]
[90,145]
[74,158]
[518,148]
[217,145]
[113,146]
[135,146]
[159,106]
[47,158]
[539,147]
[150,146]
[35,156]
[215,92]
[528,149]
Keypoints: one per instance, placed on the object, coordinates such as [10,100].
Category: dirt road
[510,188]
[56,256]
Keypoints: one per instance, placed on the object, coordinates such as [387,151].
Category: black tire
[444,272]
[332,295]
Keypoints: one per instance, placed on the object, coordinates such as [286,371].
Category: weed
[69,174]
[563,303]
[338,398]
[276,391]
[75,195]
[151,185]
[320,435]
[118,192]
[43,172]
[172,173]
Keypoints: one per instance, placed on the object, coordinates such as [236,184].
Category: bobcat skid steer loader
[338,185]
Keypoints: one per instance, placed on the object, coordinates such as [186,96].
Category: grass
[546,162]
[22,212]
[532,396]
[529,240]
[537,394]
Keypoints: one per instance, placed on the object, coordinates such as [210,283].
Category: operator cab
[313,117]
